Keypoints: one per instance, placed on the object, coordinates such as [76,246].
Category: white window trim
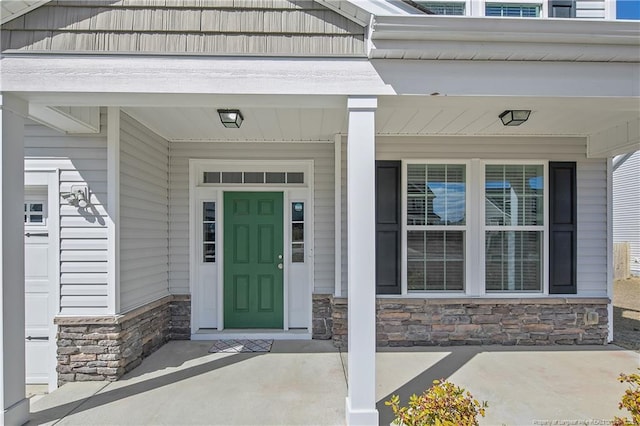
[544,229]
[466,228]
[475,231]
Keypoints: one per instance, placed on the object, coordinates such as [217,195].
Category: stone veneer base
[106,347]
[467,321]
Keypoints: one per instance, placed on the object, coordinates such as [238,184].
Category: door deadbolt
[280,266]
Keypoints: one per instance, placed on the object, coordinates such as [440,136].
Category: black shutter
[562,228]
[388,227]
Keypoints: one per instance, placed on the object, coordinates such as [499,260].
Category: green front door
[253,251]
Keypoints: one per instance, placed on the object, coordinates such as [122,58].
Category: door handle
[37,338]
[280,266]
[38,234]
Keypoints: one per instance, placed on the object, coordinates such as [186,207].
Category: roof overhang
[517,39]
[12,9]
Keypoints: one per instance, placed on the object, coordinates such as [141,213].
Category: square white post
[15,407]
[361,398]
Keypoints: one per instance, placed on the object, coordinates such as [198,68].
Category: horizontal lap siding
[592,185]
[82,160]
[626,208]
[590,9]
[263,27]
[320,153]
[144,215]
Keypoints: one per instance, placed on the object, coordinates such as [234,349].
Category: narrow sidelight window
[297,232]
[208,232]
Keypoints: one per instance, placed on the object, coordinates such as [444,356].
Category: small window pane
[275,177]
[295,177]
[231,177]
[297,212]
[435,260]
[443,8]
[514,195]
[35,218]
[36,207]
[297,234]
[209,232]
[211,177]
[513,261]
[297,253]
[436,194]
[253,177]
[209,211]
[209,253]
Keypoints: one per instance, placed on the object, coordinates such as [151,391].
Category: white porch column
[15,407]
[361,398]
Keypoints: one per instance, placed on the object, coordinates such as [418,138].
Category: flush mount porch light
[514,117]
[231,118]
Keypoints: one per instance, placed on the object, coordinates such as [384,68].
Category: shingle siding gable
[210,27]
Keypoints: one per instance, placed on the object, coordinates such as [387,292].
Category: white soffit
[11,9]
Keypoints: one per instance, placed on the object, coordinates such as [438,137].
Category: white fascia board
[621,139]
[180,75]
[361,11]
[401,33]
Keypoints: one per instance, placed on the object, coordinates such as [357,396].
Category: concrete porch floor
[304,382]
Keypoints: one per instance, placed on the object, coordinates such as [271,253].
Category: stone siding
[322,316]
[444,322]
[106,347]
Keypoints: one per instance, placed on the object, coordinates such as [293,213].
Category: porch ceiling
[404,115]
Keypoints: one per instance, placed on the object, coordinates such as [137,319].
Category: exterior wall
[105,348]
[590,9]
[321,153]
[82,160]
[626,208]
[144,215]
[433,322]
[275,27]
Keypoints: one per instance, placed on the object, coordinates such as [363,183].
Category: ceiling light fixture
[514,117]
[231,118]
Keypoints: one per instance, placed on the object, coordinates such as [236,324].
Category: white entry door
[38,282]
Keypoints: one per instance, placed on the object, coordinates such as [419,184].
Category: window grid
[436,223]
[256,178]
[34,213]
[514,245]
[444,8]
[513,10]
[297,232]
[208,232]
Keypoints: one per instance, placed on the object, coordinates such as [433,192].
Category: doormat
[238,346]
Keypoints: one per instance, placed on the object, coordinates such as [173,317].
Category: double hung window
[474,228]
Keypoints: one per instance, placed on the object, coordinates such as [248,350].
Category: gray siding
[590,9]
[320,153]
[144,215]
[626,208]
[592,185]
[82,160]
[260,27]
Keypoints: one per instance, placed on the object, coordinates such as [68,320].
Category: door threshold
[251,334]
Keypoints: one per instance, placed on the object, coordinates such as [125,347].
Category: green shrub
[630,400]
[443,404]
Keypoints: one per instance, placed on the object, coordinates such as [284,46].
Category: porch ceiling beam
[131,81]
[67,119]
[621,139]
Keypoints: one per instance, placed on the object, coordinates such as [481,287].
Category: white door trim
[50,178]
[196,169]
